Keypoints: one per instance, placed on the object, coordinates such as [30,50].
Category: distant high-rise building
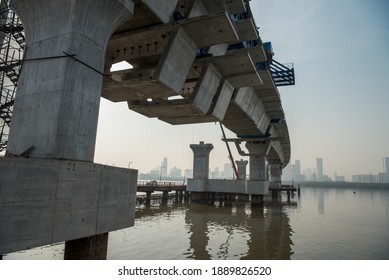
[164,167]
[296,169]
[216,173]
[287,173]
[188,173]
[227,171]
[339,178]
[386,165]
[383,177]
[365,178]
[175,172]
[319,169]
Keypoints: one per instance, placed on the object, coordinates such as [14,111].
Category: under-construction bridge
[12,44]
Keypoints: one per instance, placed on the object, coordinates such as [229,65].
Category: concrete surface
[256,187]
[201,153]
[56,108]
[44,201]
[57,101]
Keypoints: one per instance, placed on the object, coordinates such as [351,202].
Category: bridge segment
[207,65]
[51,189]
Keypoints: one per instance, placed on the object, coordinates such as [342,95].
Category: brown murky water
[324,223]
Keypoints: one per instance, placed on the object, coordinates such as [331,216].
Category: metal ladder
[12,45]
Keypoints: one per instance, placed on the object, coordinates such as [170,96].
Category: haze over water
[324,223]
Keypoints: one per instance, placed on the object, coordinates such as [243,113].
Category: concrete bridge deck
[201,67]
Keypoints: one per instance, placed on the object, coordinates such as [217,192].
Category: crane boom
[230,154]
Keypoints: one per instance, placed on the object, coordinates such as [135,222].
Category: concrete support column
[88,248]
[275,173]
[165,196]
[57,101]
[242,166]
[186,196]
[257,151]
[201,160]
[200,196]
[256,200]
[176,196]
[148,197]
[200,170]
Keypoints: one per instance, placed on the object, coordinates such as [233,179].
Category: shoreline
[381,186]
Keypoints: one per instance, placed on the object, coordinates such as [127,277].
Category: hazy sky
[338,109]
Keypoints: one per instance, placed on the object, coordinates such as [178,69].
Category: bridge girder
[200,66]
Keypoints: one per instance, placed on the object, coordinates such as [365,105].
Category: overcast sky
[338,109]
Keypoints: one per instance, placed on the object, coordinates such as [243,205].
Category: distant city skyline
[294,172]
[223,172]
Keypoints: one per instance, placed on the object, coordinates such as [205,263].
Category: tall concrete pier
[58,194]
[242,168]
[54,88]
[257,152]
[201,160]
[200,165]
[275,173]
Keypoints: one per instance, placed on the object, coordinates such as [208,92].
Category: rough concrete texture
[275,173]
[87,248]
[238,68]
[177,61]
[223,100]
[252,106]
[201,160]
[212,29]
[242,167]
[45,201]
[162,8]
[206,88]
[260,187]
[57,101]
[257,160]
[228,186]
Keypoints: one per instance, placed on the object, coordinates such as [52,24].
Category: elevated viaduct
[193,61]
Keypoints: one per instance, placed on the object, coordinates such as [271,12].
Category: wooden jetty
[289,189]
[164,187]
[180,189]
[160,186]
[284,188]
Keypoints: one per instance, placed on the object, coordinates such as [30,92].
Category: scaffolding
[12,45]
[282,74]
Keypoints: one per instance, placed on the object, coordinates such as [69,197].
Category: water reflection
[320,202]
[239,232]
[197,231]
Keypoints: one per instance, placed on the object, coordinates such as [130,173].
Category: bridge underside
[206,63]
